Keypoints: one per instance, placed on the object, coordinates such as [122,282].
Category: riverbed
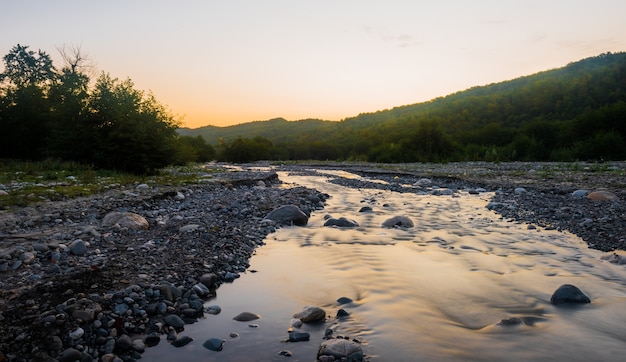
[462,284]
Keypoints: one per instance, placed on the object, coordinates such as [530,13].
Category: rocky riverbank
[80,284]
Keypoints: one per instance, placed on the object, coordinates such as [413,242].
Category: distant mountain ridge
[554,110]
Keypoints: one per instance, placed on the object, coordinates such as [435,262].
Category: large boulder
[567,294]
[126,220]
[288,215]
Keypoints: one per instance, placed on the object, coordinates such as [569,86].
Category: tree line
[50,112]
[577,112]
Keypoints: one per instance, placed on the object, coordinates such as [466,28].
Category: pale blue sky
[235,61]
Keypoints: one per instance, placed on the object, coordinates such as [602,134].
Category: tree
[68,97]
[24,121]
[129,130]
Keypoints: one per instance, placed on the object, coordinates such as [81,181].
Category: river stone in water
[287,215]
[341,222]
[341,348]
[246,317]
[125,219]
[214,344]
[401,221]
[181,341]
[311,314]
[568,293]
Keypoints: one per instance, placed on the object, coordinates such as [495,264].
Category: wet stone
[311,314]
[569,294]
[182,341]
[214,344]
[246,317]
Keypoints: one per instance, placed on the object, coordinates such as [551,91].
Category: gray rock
[246,316]
[123,343]
[341,348]
[174,321]
[70,355]
[209,279]
[299,336]
[288,215]
[182,341]
[214,344]
[401,221]
[126,220]
[341,222]
[78,247]
[579,194]
[311,314]
[567,294]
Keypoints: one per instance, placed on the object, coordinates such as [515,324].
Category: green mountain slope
[577,111]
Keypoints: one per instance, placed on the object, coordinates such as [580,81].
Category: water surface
[436,291]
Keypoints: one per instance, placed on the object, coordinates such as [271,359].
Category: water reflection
[461,285]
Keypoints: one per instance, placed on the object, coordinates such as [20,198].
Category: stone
[174,321]
[341,348]
[209,279]
[344,300]
[188,228]
[214,309]
[182,341]
[341,222]
[366,209]
[423,182]
[246,317]
[123,342]
[520,190]
[400,221]
[214,344]
[288,215]
[602,195]
[70,355]
[78,247]
[579,194]
[569,294]
[311,314]
[299,336]
[152,339]
[126,220]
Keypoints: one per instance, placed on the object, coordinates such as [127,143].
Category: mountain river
[437,291]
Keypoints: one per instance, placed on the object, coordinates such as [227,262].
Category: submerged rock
[401,221]
[568,293]
[342,222]
[288,215]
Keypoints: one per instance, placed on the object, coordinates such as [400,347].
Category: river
[433,292]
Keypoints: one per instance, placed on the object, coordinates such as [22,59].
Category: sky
[234,61]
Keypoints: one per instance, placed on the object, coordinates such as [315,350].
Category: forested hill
[570,113]
[277,130]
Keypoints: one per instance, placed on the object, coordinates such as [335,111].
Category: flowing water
[436,291]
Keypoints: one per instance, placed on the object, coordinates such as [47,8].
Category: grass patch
[26,183]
